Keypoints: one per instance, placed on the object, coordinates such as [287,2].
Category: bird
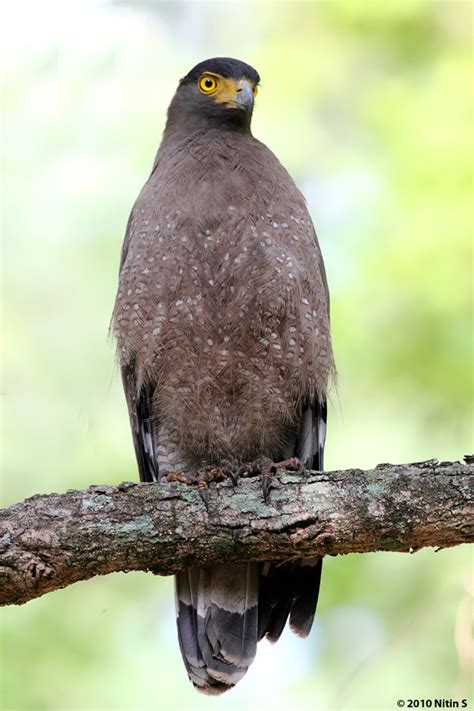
[223,340]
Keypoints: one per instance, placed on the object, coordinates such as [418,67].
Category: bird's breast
[239,295]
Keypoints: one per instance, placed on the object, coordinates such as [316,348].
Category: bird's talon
[203,490]
[291,465]
[176,477]
[211,474]
[232,474]
[267,484]
[244,470]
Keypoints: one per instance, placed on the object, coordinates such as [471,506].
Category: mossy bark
[50,541]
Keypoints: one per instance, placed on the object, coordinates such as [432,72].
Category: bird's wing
[140,404]
[139,398]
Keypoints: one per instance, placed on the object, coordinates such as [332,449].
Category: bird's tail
[223,611]
[217,618]
[288,590]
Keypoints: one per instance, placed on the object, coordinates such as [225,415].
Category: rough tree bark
[50,541]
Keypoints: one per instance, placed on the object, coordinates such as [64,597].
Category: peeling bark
[50,541]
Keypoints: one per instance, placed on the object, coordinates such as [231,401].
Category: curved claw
[267,483]
[232,474]
[204,493]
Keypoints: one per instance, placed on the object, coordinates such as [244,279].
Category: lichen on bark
[50,541]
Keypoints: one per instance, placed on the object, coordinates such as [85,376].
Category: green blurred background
[369,106]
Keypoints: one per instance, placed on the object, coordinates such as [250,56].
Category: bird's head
[219,91]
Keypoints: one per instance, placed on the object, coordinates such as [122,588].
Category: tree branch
[50,541]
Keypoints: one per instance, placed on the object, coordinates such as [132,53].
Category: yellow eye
[255,90]
[207,84]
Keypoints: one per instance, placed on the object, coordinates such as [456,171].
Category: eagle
[223,339]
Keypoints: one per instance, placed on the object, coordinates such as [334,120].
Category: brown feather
[222,326]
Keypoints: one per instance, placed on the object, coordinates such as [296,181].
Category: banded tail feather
[223,611]
[216,611]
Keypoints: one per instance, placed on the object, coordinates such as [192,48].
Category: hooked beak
[244,97]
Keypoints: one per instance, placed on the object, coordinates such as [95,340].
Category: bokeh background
[369,106]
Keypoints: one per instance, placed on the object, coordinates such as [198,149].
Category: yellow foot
[177,477]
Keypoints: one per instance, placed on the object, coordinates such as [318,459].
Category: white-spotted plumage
[222,326]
